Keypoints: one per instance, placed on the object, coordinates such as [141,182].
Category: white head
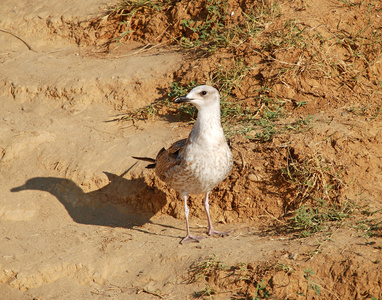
[202,96]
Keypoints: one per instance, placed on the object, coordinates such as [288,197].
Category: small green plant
[370,227]
[207,31]
[309,220]
[229,76]
[300,125]
[214,31]
[261,291]
[284,267]
[177,90]
[300,104]
[291,35]
[207,291]
[311,285]
[267,132]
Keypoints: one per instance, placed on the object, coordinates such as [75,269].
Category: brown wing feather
[169,158]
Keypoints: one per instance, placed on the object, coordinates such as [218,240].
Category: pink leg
[189,237]
[211,230]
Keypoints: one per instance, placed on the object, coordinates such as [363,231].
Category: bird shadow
[117,204]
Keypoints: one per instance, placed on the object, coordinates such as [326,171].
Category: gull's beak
[182,99]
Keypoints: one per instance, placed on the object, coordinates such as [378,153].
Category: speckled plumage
[199,163]
[194,167]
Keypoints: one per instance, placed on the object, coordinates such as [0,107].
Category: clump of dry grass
[313,177]
[318,184]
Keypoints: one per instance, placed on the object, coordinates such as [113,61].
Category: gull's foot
[219,233]
[192,239]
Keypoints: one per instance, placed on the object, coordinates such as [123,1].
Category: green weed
[300,125]
[215,31]
[284,267]
[206,31]
[371,226]
[177,90]
[261,291]
[207,291]
[308,220]
[230,76]
[290,36]
[311,284]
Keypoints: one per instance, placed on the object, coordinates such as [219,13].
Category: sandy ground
[63,164]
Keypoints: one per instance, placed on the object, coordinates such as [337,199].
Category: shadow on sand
[121,203]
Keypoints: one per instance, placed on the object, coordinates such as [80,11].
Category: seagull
[197,164]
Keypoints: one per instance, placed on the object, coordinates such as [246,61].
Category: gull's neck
[208,125]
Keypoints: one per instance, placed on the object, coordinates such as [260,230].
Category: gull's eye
[203,93]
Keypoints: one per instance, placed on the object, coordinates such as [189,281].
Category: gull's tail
[148,159]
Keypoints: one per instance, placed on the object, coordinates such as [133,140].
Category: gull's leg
[211,230]
[189,237]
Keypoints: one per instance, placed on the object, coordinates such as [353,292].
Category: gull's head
[201,96]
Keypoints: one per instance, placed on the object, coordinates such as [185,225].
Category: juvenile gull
[199,163]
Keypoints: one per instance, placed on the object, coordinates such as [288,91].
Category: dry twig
[26,44]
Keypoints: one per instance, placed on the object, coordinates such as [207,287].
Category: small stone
[252,177]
